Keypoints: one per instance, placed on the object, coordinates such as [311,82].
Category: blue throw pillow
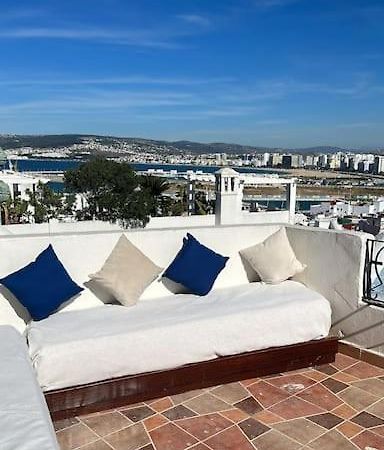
[196,266]
[43,285]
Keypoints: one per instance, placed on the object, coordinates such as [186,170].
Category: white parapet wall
[155,222]
[209,220]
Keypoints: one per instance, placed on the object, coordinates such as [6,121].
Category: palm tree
[156,187]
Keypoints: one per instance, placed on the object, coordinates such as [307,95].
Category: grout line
[231,407]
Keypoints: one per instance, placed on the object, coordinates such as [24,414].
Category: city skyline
[278,73]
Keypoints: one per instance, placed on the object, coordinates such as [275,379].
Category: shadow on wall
[372,332]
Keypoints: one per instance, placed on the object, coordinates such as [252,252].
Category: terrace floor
[337,406]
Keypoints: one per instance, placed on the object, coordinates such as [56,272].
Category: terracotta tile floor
[335,407]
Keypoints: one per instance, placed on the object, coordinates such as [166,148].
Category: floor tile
[334,385]
[98,445]
[326,420]
[147,447]
[249,405]
[180,398]
[139,413]
[65,423]
[293,372]
[333,440]
[320,396]
[372,385]
[267,394]
[248,382]
[378,430]
[162,404]
[364,370]
[154,421]
[273,440]
[292,384]
[235,414]
[344,377]
[230,393]
[294,408]
[206,403]
[253,428]
[377,409]
[306,409]
[301,430]
[357,398]
[344,411]
[316,375]
[349,429]
[203,427]
[369,440]
[75,436]
[170,437]
[367,420]
[178,412]
[104,424]
[327,369]
[343,361]
[229,439]
[267,418]
[132,438]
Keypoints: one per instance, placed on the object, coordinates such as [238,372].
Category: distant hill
[67,140]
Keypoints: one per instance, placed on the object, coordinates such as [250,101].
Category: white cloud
[118,80]
[143,38]
[195,19]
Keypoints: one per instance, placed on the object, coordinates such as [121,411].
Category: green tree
[47,204]
[156,187]
[113,192]
[16,211]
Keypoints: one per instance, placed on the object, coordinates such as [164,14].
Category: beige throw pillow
[126,273]
[273,259]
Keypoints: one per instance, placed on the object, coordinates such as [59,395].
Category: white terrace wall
[155,222]
[335,267]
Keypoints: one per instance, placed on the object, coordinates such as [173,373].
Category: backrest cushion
[273,259]
[42,286]
[85,253]
[126,273]
[195,266]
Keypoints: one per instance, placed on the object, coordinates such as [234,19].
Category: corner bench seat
[78,347]
[25,423]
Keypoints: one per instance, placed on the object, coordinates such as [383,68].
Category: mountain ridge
[14,141]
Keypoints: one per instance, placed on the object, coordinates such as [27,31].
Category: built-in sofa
[90,356]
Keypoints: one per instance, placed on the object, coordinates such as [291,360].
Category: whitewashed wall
[155,222]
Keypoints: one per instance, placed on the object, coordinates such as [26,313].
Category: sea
[53,165]
[61,165]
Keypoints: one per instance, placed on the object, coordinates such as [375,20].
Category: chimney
[229,197]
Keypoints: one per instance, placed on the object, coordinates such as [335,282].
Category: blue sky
[287,73]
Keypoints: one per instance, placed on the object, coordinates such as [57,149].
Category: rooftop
[336,406]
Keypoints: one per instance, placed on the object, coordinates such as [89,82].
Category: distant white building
[19,183]
[342,208]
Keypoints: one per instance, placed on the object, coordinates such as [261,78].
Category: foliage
[202,205]
[155,188]
[15,211]
[45,202]
[113,192]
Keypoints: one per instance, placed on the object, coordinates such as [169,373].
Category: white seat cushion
[80,347]
[24,418]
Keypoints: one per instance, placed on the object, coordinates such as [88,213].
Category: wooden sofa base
[117,392]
